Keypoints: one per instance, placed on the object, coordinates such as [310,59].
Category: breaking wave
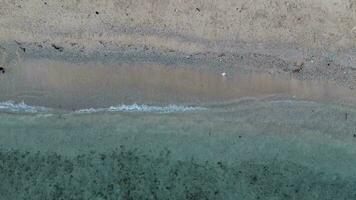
[11,106]
[143,108]
[22,107]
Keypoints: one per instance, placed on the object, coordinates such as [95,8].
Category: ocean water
[152,132]
[272,148]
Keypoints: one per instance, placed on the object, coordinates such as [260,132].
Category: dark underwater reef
[130,174]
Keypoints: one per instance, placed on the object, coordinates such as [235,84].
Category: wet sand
[72,86]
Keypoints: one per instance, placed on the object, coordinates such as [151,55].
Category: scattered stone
[299,67]
[2,70]
[197,9]
[221,55]
[101,42]
[189,56]
[223,74]
[96,12]
[20,44]
[59,48]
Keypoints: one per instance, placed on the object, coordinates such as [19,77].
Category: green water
[251,149]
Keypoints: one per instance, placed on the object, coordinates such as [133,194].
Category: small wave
[293,101]
[12,106]
[22,107]
[143,108]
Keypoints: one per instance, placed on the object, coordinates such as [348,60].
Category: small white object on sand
[223,74]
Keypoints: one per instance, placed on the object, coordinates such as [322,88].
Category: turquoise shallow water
[248,149]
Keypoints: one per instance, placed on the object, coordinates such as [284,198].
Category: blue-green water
[249,149]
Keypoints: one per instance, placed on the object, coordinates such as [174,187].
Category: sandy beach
[269,37]
[137,99]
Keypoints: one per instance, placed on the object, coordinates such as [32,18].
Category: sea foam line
[143,108]
[12,106]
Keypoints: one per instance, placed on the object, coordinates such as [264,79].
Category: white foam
[12,106]
[143,108]
[289,101]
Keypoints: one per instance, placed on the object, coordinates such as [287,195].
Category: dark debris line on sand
[132,175]
[56,47]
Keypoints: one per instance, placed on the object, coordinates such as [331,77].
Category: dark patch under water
[129,174]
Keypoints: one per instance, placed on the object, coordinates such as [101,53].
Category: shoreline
[99,84]
[301,64]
